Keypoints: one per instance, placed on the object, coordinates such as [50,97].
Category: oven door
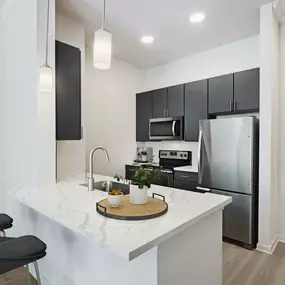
[166,129]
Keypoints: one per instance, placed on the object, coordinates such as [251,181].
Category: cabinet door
[160,103]
[246,90]
[187,176]
[175,95]
[68,92]
[186,185]
[195,108]
[221,94]
[143,114]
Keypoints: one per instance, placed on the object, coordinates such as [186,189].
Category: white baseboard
[281,238]
[269,249]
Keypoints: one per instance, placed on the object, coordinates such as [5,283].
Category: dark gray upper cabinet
[221,94]
[196,94]
[68,92]
[175,95]
[246,90]
[160,103]
[143,114]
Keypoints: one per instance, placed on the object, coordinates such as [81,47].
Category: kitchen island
[182,247]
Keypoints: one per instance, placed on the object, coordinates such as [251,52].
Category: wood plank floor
[243,267]
[240,267]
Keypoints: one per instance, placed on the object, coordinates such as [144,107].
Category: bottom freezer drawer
[237,217]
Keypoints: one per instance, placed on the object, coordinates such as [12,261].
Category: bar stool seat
[17,252]
[6,222]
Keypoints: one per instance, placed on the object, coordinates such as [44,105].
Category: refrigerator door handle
[199,157]
[173,128]
[203,189]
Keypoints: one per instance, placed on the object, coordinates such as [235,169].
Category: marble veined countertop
[188,168]
[72,206]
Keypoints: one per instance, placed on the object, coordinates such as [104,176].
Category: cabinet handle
[231,105]
[164,113]
[236,104]
[167,113]
[184,176]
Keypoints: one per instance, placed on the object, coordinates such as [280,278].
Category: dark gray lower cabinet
[186,180]
[246,90]
[68,92]
[221,94]
[186,185]
[143,114]
[196,94]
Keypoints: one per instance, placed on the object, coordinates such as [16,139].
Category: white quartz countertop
[72,206]
[189,168]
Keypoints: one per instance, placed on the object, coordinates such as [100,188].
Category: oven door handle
[173,128]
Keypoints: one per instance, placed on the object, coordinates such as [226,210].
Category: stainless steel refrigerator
[228,165]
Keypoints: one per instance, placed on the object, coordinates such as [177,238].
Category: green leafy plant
[145,175]
[118,177]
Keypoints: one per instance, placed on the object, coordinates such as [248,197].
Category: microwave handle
[173,128]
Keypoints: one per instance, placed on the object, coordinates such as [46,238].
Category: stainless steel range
[169,159]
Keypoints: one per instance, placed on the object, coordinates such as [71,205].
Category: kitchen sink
[108,186]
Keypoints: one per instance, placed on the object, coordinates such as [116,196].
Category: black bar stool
[6,222]
[21,251]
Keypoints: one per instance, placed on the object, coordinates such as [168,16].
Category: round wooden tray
[127,211]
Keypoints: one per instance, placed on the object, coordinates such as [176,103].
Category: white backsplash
[172,145]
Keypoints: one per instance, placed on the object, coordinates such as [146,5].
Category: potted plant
[142,179]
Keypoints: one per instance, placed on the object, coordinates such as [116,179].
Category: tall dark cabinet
[68,92]
[175,95]
[196,94]
[221,94]
[160,103]
[168,102]
[246,90]
[234,93]
[143,114]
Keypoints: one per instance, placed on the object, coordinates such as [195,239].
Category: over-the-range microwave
[171,128]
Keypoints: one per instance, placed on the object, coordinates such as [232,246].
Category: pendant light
[102,48]
[46,72]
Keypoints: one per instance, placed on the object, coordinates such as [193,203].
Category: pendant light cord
[104,16]
[46,62]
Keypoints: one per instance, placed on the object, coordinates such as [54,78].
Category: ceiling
[167,21]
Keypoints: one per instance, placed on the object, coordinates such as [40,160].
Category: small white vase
[138,196]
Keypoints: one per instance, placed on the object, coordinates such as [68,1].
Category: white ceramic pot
[138,196]
[115,200]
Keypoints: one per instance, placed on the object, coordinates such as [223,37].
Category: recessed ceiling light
[147,39]
[197,18]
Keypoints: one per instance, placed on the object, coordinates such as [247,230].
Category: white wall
[269,131]
[110,113]
[2,119]
[282,133]
[71,154]
[20,52]
[226,59]
[29,114]
[46,100]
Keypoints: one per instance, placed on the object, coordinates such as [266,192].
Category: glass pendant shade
[102,49]
[46,79]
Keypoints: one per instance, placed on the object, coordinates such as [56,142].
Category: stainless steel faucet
[91,179]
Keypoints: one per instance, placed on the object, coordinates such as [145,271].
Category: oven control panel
[173,154]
